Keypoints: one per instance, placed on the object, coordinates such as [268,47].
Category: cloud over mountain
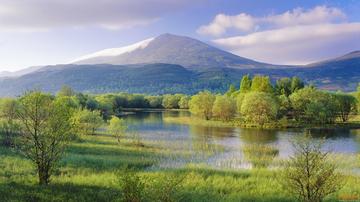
[296,36]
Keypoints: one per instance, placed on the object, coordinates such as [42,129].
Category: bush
[86,122]
[132,187]
[201,104]
[259,108]
[313,106]
[224,108]
[309,174]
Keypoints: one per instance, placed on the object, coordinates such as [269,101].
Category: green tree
[86,122]
[105,105]
[66,91]
[171,101]
[45,131]
[313,106]
[155,101]
[231,91]
[137,101]
[92,104]
[345,103]
[259,108]
[184,102]
[201,104]
[283,86]
[224,108]
[309,174]
[261,84]
[245,84]
[117,127]
[296,84]
[239,101]
[284,105]
[9,126]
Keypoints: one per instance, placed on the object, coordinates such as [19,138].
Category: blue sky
[42,32]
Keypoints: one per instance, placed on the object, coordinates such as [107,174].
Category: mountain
[20,72]
[172,49]
[175,64]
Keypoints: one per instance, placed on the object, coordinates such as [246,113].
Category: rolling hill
[174,64]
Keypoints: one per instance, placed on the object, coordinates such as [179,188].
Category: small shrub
[133,189]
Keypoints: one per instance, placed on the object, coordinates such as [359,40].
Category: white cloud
[223,22]
[299,44]
[297,36]
[34,15]
[298,16]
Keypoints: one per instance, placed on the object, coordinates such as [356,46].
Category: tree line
[41,124]
[259,102]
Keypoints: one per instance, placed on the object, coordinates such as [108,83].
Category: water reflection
[258,136]
[227,147]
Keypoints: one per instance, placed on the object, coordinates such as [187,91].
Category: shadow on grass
[56,192]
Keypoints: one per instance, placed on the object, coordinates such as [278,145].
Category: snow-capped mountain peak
[116,51]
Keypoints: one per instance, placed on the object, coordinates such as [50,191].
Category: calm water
[228,147]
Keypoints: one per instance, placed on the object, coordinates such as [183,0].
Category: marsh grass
[89,171]
[260,155]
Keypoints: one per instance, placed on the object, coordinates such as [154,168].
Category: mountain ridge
[193,73]
[182,50]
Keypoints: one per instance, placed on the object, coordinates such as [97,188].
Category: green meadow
[92,168]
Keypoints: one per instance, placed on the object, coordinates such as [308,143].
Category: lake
[230,147]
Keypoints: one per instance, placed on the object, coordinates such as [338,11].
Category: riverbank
[281,124]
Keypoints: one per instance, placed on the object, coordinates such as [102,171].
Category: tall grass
[91,170]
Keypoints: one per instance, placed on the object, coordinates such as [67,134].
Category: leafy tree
[261,84]
[239,101]
[45,131]
[201,104]
[259,108]
[245,84]
[224,107]
[117,127]
[231,91]
[171,101]
[119,102]
[137,101]
[92,104]
[154,101]
[71,102]
[296,84]
[313,106]
[284,105]
[345,103]
[86,122]
[81,100]
[184,102]
[283,86]
[309,174]
[9,126]
[105,106]
[66,91]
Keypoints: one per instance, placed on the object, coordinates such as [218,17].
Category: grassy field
[93,166]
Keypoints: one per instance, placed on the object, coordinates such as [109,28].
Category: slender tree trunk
[44,175]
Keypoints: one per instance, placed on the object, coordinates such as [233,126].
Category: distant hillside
[174,64]
[172,49]
[165,78]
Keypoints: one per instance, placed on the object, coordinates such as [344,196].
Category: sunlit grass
[90,170]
